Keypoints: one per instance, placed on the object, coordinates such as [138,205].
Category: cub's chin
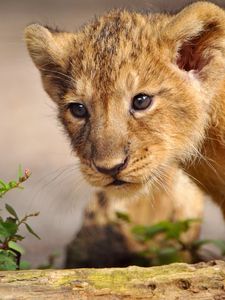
[124,190]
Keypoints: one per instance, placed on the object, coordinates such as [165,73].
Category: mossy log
[176,281]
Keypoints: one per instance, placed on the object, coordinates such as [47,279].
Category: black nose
[113,171]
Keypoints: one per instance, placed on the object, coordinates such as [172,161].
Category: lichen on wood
[175,281]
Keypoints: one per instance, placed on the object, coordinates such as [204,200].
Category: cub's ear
[196,39]
[50,51]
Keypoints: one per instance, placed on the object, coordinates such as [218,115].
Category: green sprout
[10,250]
[162,242]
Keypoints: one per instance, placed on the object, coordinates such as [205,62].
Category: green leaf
[218,243]
[199,243]
[11,220]
[20,172]
[7,261]
[24,265]
[17,237]
[148,232]
[7,187]
[139,231]
[171,230]
[11,210]
[3,184]
[16,247]
[3,231]
[168,255]
[123,216]
[13,184]
[7,229]
[2,192]
[31,231]
[174,230]
[177,228]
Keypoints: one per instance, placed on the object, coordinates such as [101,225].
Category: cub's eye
[141,101]
[78,110]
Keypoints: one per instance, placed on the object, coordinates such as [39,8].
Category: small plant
[10,250]
[162,242]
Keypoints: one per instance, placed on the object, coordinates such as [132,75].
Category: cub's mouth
[118,182]
[123,189]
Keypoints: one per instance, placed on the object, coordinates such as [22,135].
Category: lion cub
[141,96]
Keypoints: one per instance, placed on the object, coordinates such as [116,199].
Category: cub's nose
[114,170]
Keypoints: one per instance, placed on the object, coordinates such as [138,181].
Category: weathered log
[176,281]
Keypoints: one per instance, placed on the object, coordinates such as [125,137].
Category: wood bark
[172,282]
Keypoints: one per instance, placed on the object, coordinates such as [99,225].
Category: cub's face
[131,94]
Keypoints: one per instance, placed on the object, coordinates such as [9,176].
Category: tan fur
[184,201]
[179,59]
[178,205]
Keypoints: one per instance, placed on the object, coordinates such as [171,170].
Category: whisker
[59,175]
[57,77]
[60,73]
[206,160]
[196,156]
[150,189]
[159,178]
[45,182]
[194,179]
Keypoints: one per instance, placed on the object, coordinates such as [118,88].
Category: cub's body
[209,169]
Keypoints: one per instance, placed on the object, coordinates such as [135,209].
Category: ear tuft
[41,45]
[50,50]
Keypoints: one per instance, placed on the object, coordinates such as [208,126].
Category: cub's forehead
[112,44]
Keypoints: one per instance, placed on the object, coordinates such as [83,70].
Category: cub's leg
[100,237]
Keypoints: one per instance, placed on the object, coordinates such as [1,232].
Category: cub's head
[133,90]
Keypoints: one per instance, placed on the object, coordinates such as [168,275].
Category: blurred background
[31,136]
